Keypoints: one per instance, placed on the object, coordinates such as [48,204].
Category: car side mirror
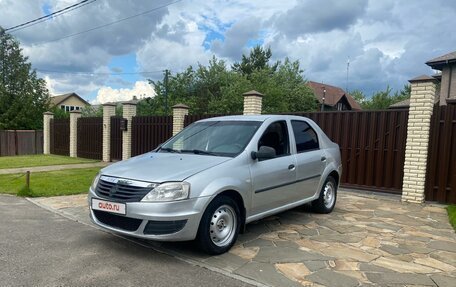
[264,152]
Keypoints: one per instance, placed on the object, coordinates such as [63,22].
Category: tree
[382,99]
[257,60]
[23,96]
[216,89]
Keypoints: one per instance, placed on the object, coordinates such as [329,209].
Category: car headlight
[95,181]
[168,191]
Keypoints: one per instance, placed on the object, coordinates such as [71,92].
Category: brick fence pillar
[109,110]
[74,116]
[418,130]
[129,111]
[179,113]
[252,103]
[47,116]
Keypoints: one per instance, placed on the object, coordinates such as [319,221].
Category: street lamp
[323,102]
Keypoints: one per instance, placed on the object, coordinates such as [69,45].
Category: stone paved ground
[369,240]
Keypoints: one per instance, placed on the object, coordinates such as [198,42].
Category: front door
[274,179]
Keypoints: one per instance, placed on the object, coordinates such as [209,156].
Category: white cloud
[141,89]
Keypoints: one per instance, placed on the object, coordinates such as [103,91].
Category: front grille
[122,222]
[164,227]
[121,191]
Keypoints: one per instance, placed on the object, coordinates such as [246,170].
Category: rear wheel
[219,226]
[327,199]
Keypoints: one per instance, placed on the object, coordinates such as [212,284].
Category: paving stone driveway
[369,240]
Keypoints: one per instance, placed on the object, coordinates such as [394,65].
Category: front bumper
[187,211]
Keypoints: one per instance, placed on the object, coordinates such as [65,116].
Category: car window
[306,138]
[220,138]
[276,136]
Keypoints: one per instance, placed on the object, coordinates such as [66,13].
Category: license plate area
[109,206]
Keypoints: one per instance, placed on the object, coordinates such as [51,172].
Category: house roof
[439,62]
[333,94]
[55,100]
[406,104]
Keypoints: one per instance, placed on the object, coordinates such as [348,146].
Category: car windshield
[219,138]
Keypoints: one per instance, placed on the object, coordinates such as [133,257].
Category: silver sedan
[216,176]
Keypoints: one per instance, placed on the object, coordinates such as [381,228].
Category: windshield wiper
[169,149]
[198,151]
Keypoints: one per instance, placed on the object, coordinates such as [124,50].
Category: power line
[97,74]
[49,16]
[111,23]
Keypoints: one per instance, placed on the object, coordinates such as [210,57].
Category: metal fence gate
[149,131]
[372,145]
[60,136]
[116,138]
[441,166]
[90,137]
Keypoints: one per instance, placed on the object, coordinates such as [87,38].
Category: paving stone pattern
[368,240]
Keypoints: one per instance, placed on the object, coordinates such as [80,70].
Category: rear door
[273,179]
[310,159]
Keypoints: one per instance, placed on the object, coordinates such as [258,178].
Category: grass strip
[50,183]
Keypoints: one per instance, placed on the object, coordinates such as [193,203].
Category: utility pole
[166,91]
[348,69]
[323,102]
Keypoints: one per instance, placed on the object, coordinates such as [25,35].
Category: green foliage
[257,60]
[216,89]
[452,215]
[23,96]
[92,111]
[382,99]
[59,113]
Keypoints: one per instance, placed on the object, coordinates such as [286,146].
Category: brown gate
[116,138]
[60,136]
[372,145]
[149,131]
[90,138]
[441,167]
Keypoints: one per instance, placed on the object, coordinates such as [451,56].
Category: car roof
[259,118]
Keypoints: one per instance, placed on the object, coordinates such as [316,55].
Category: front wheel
[219,226]
[327,199]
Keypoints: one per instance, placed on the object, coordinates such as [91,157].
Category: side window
[306,138]
[276,136]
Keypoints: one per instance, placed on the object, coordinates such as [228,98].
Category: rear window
[305,136]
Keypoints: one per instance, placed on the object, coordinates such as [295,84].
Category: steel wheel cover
[329,194]
[223,226]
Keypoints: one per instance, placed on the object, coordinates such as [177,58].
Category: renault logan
[215,176]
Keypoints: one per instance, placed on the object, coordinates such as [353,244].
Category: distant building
[69,102]
[333,98]
[446,91]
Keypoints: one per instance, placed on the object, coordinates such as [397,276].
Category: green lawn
[50,183]
[452,215]
[39,160]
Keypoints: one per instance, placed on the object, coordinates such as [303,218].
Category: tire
[327,199]
[219,226]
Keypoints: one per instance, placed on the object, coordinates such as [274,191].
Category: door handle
[291,166]
[323,158]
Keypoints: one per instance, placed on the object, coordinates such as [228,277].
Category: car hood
[161,167]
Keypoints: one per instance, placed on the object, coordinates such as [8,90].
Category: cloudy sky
[386,42]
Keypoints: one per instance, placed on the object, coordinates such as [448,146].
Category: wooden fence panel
[116,139]
[21,142]
[90,137]
[149,131]
[60,136]
[372,145]
[441,166]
